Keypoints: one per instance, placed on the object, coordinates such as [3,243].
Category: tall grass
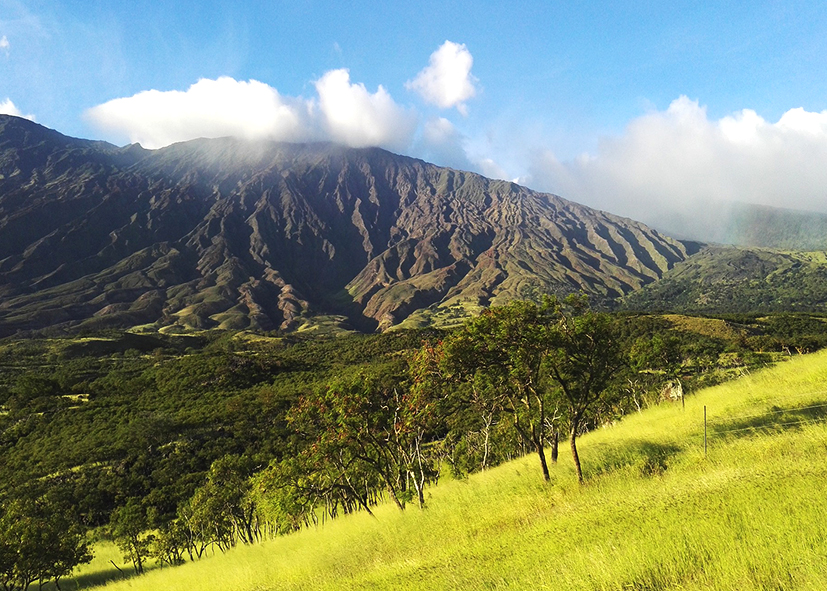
[656,513]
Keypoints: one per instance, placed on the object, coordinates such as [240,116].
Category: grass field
[656,512]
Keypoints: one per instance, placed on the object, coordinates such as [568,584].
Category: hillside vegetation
[720,280]
[656,513]
[176,448]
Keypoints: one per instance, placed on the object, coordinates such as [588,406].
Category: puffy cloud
[344,112]
[676,168]
[447,80]
[8,108]
[209,108]
[4,44]
[355,117]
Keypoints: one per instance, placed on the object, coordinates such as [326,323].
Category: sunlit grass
[656,513]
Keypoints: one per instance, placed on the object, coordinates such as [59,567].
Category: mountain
[738,280]
[773,227]
[239,234]
[751,225]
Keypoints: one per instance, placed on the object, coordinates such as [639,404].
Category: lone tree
[584,360]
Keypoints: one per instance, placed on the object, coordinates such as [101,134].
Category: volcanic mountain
[264,235]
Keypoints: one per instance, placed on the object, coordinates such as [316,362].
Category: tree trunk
[488,421]
[555,445]
[542,453]
[574,454]
[395,497]
[419,474]
[419,485]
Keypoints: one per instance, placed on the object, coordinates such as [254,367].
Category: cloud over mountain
[208,108]
[680,164]
[8,108]
[353,116]
[343,112]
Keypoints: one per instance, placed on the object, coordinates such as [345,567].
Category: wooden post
[704,430]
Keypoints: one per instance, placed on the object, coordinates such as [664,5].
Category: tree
[584,359]
[286,503]
[545,364]
[366,433]
[501,353]
[223,504]
[39,541]
[129,525]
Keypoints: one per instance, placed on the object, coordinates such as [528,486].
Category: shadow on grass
[648,458]
[774,419]
[94,579]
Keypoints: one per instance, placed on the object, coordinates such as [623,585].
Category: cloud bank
[208,108]
[447,80]
[343,112]
[677,166]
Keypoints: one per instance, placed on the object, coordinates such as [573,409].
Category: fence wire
[769,426]
[795,397]
[722,421]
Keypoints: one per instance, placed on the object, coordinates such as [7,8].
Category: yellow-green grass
[656,513]
[97,572]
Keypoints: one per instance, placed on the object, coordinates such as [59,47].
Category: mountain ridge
[257,234]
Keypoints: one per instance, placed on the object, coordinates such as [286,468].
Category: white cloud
[8,108]
[209,108]
[344,112]
[679,165]
[355,117]
[447,80]
[4,44]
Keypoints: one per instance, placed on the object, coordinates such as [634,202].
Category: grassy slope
[656,514]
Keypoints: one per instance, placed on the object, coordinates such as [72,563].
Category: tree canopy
[544,364]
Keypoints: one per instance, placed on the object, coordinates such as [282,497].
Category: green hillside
[720,280]
[655,513]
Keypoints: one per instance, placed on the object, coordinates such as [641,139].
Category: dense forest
[173,446]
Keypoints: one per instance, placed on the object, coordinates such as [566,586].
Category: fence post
[704,430]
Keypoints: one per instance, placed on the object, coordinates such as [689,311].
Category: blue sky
[621,105]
